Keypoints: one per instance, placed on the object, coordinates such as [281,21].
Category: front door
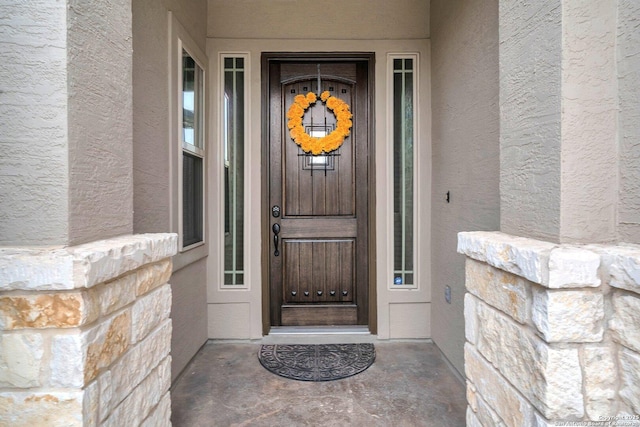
[318,204]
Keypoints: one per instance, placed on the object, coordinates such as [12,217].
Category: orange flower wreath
[328,143]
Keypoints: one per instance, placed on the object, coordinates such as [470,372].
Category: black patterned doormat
[317,362]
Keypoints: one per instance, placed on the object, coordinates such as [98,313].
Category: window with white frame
[233,129]
[192,138]
[404,123]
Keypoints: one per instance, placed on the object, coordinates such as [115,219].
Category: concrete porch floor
[410,384]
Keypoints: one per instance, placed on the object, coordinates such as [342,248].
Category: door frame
[266,59]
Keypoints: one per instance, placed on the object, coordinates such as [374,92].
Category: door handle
[276,231]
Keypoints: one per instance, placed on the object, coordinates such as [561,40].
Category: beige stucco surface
[155,157]
[466,157]
[188,314]
[66,122]
[530,107]
[100,136]
[569,120]
[319,20]
[588,122]
[37,152]
[152,152]
[628,66]
[151,197]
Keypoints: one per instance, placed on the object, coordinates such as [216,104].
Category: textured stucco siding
[530,109]
[559,127]
[188,313]
[151,149]
[628,63]
[310,19]
[589,152]
[100,108]
[466,159]
[33,118]
[66,120]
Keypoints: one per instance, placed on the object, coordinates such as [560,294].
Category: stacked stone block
[86,334]
[552,331]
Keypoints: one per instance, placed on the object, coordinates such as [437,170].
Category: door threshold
[319,335]
[292,330]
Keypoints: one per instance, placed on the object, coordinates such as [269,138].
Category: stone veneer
[552,331]
[85,333]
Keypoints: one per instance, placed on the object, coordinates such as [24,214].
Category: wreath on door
[328,143]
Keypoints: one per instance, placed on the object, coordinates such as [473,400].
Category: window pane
[192,142]
[192,101]
[192,199]
[233,113]
[403,164]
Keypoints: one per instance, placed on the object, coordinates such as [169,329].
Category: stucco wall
[559,133]
[99,89]
[66,120]
[530,102]
[466,159]
[33,119]
[155,187]
[628,63]
[151,150]
[151,196]
[588,122]
[310,19]
[188,314]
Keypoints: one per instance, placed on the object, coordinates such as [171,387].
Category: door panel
[319,315]
[319,275]
[330,277]
[324,186]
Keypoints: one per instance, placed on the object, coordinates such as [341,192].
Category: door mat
[317,362]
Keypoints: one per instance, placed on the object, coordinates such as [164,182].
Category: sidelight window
[233,109]
[404,84]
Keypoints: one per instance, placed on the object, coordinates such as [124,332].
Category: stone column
[558,127]
[85,333]
[552,331]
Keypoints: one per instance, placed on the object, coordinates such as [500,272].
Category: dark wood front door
[320,273]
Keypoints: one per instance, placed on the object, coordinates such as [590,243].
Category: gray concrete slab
[410,384]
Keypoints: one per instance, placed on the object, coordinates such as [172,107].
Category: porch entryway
[410,384]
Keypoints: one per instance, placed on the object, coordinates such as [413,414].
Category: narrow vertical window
[233,139]
[192,138]
[403,166]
